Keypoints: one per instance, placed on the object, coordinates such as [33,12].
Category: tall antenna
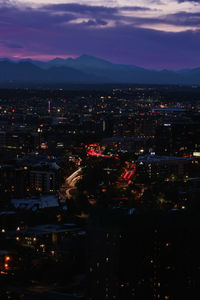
[49,106]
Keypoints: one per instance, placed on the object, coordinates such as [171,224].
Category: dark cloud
[106,13]
[31,17]
[181,1]
[80,8]
[135,8]
[95,23]
[183,19]
[84,9]
[58,15]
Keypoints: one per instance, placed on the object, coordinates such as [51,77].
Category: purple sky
[148,33]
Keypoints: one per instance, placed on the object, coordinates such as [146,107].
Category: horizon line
[74,57]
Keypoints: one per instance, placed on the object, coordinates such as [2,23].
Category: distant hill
[90,70]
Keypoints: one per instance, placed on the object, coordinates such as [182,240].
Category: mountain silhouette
[90,70]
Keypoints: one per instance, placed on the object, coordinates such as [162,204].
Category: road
[69,185]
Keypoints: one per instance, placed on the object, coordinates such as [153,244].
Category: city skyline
[151,34]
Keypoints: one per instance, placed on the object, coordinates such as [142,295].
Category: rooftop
[155,158]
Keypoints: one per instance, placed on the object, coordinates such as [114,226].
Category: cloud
[101,15]
[195,1]
[57,15]
[183,19]
[80,8]
[135,8]
[75,29]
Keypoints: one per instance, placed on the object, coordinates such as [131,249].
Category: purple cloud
[135,8]
[195,1]
[53,30]
[79,8]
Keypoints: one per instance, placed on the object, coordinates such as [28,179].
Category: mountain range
[89,70]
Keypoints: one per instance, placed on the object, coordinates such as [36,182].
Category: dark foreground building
[144,255]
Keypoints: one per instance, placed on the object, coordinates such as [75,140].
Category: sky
[156,34]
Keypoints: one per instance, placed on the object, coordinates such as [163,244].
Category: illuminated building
[21,141]
[43,181]
[161,167]
[177,138]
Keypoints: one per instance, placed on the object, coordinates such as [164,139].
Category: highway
[69,185]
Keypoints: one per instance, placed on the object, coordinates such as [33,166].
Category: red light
[43,146]
[92,152]
[125,175]
[13,110]
[95,150]
[130,174]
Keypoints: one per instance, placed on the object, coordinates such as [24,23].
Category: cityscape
[99,150]
[99,193]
